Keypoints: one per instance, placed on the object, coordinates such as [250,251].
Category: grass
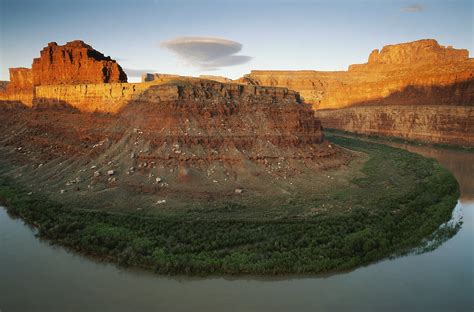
[400,200]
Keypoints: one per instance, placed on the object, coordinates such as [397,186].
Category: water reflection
[37,276]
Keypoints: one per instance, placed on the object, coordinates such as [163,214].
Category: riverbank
[400,200]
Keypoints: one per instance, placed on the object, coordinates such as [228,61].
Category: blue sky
[281,34]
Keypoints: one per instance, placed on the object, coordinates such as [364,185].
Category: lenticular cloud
[207,52]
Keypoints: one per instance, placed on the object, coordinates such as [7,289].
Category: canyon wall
[112,97]
[442,124]
[21,79]
[103,97]
[186,138]
[426,51]
[411,74]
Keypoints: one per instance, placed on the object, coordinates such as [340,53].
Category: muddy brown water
[35,276]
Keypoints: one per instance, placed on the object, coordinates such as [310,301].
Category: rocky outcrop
[104,97]
[416,53]
[74,63]
[415,73]
[67,67]
[113,97]
[394,72]
[21,79]
[70,64]
[171,141]
[187,141]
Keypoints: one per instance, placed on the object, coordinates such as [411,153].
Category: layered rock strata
[169,146]
[172,139]
[70,64]
[412,74]
[74,63]
[441,124]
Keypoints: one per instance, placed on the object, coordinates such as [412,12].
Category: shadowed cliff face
[429,123]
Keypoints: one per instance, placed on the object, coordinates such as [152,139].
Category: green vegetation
[399,201]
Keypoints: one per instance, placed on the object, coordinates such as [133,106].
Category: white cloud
[207,52]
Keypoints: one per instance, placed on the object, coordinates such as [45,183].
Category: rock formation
[415,73]
[74,63]
[20,79]
[416,53]
[173,145]
[172,137]
[442,124]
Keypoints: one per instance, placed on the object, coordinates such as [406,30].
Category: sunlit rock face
[74,63]
[20,79]
[408,74]
[167,136]
[426,51]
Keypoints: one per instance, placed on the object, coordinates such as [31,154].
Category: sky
[228,37]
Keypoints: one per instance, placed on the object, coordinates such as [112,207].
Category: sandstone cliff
[415,73]
[169,144]
[21,79]
[442,124]
[416,53]
[65,67]
[74,63]
[395,72]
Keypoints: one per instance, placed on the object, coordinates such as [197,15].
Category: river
[37,276]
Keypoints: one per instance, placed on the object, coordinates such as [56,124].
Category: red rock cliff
[408,74]
[426,51]
[422,72]
[20,79]
[75,63]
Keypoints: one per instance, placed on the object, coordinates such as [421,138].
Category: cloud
[413,8]
[131,72]
[207,52]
